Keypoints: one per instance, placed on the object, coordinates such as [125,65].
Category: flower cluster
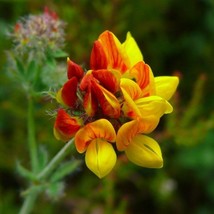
[113,106]
[37,33]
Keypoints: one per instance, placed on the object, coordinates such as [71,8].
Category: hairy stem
[31,136]
[56,160]
[28,203]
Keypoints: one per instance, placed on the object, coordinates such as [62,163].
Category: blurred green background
[176,38]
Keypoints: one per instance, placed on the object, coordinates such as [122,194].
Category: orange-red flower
[121,87]
[67,95]
[65,126]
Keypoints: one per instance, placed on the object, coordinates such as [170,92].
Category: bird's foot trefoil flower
[117,101]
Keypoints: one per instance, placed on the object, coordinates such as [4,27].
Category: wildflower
[38,41]
[136,105]
[37,34]
[139,148]
[120,101]
[96,139]
[65,126]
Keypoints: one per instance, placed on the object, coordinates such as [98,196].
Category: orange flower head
[119,101]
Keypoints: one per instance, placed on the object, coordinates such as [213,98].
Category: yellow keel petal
[144,151]
[100,157]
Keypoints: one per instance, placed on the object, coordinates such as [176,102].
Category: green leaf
[42,157]
[65,169]
[20,66]
[31,70]
[34,189]
[25,172]
[59,54]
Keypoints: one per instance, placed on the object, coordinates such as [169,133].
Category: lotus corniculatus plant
[112,107]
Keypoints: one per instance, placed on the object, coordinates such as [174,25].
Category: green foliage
[65,169]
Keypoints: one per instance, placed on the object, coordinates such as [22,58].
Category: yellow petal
[136,106]
[130,91]
[153,106]
[129,130]
[101,128]
[132,50]
[166,86]
[131,87]
[144,151]
[100,157]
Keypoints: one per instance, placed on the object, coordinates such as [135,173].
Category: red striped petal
[108,79]
[114,51]
[143,75]
[98,58]
[108,102]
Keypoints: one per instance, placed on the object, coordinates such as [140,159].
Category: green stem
[28,203]
[56,160]
[31,197]
[31,136]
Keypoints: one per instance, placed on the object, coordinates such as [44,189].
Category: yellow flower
[96,139]
[121,87]
[166,86]
[138,106]
[140,149]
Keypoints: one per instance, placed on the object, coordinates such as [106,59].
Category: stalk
[56,160]
[31,136]
[28,203]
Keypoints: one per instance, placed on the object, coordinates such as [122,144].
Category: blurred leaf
[42,157]
[33,189]
[199,158]
[31,69]
[20,67]
[65,169]
[25,172]
[59,54]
